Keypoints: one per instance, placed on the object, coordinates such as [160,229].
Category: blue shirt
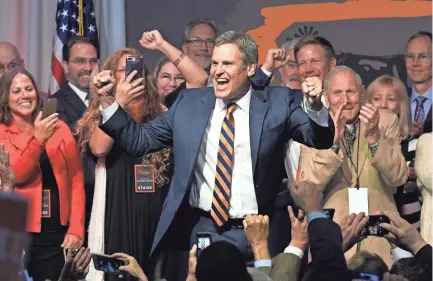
[427,104]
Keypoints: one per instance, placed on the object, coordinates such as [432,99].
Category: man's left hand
[72,242]
[312,88]
[256,228]
[369,115]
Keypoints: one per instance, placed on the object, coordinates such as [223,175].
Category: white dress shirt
[82,95]
[293,148]
[243,197]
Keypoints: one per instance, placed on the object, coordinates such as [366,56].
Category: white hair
[289,45]
[340,68]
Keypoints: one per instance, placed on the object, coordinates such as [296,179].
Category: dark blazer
[274,119]
[70,109]
[259,81]
[328,262]
[427,128]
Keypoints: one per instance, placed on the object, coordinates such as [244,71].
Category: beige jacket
[380,174]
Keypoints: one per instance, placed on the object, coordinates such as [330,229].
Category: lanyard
[356,168]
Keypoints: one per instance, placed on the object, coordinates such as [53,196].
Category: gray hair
[289,45]
[257,275]
[246,45]
[341,68]
[196,22]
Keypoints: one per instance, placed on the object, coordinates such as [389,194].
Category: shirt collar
[414,95]
[243,103]
[82,95]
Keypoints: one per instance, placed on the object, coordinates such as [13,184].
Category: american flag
[73,17]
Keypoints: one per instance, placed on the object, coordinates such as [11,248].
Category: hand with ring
[129,89]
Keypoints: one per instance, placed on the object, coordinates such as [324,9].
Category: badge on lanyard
[46,203]
[144,178]
[358,200]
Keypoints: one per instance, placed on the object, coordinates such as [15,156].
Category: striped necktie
[419,110]
[224,168]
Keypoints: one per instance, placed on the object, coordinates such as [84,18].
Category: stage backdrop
[369,35]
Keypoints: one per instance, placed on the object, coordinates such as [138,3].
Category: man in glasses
[198,44]
[80,57]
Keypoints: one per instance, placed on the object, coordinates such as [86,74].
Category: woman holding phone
[48,172]
[125,212]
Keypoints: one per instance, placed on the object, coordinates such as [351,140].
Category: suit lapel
[75,100]
[258,109]
[203,109]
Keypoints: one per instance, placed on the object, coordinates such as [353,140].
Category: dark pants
[233,234]
[45,258]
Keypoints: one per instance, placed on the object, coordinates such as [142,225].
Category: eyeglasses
[11,65]
[166,78]
[421,57]
[196,42]
[83,61]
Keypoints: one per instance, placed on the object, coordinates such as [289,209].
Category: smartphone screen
[108,264]
[49,107]
[360,276]
[329,213]
[204,239]
[134,63]
[373,228]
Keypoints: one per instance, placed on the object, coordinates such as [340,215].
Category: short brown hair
[5,88]
[315,40]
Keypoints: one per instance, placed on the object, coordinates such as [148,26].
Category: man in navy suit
[228,143]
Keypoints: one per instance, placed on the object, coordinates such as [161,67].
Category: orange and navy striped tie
[223,176]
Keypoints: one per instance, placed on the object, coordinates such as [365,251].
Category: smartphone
[134,63]
[49,107]
[373,228]
[329,213]
[204,239]
[364,276]
[108,264]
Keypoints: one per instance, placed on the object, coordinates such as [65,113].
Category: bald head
[9,57]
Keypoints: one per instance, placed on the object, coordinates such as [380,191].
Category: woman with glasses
[167,77]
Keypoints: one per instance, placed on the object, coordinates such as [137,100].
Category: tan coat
[424,172]
[380,174]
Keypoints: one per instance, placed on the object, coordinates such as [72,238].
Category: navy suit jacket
[274,119]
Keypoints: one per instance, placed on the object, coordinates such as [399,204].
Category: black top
[130,218]
[49,185]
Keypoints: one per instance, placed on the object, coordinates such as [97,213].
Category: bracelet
[179,59]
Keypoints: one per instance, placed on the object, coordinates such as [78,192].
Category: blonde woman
[390,94]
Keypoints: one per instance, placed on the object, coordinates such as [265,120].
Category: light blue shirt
[427,104]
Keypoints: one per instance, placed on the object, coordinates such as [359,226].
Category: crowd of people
[254,164]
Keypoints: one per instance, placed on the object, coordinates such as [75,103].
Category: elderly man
[358,173]
[11,58]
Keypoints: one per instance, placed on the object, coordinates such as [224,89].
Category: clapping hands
[7,176]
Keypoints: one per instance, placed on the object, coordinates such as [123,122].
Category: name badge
[144,179]
[46,203]
[358,200]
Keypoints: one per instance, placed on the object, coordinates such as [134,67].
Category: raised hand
[312,89]
[45,128]
[151,40]
[351,228]
[339,123]
[275,59]
[132,268]
[307,195]
[7,176]
[369,115]
[299,229]
[104,82]
[402,233]
[128,90]
[256,228]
